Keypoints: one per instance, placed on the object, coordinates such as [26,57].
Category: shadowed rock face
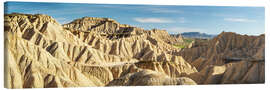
[41,53]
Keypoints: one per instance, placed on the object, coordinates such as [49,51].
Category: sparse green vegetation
[185,44]
[179,46]
[188,40]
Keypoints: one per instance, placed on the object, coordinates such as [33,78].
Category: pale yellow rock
[41,53]
[229,58]
[149,77]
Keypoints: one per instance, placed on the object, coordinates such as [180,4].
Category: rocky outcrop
[33,56]
[148,77]
[41,53]
[125,41]
[235,55]
[233,73]
[226,47]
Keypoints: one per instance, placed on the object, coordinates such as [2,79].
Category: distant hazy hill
[197,35]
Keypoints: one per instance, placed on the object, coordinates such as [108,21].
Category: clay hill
[41,53]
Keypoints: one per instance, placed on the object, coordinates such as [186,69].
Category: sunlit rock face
[228,58]
[41,53]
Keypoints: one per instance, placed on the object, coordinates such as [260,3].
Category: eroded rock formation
[231,56]
[41,53]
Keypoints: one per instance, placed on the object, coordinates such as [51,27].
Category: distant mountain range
[197,35]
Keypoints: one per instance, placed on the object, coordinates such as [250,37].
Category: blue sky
[174,19]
